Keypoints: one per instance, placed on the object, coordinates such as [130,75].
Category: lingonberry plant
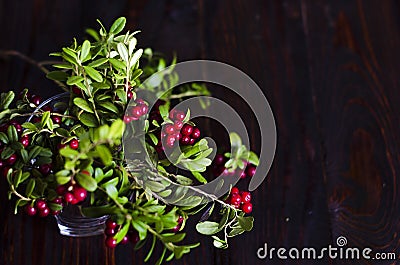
[70,152]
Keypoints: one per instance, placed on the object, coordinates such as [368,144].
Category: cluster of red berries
[24,140]
[137,111]
[72,194]
[219,168]
[42,208]
[112,228]
[240,199]
[171,133]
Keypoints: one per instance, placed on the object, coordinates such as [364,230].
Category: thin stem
[6,53]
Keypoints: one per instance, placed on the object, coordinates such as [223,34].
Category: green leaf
[207,228]
[118,25]
[199,176]
[135,57]
[3,137]
[253,158]
[98,62]
[218,243]
[123,52]
[117,64]
[94,74]
[57,75]
[63,176]
[24,155]
[30,187]
[86,181]
[98,211]
[12,133]
[68,152]
[122,232]
[246,223]
[141,228]
[117,129]
[174,238]
[88,119]
[109,106]
[104,154]
[6,153]
[29,126]
[6,99]
[85,51]
[236,231]
[74,80]
[83,104]
[153,244]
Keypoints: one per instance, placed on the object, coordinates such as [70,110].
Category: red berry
[76,91]
[61,189]
[196,133]
[219,159]
[111,242]
[169,129]
[74,144]
[30,210]
[136,111]
[45,169]
[187,129]
[144,108]
[2,163]
[235,198]
[234,190]
[250,171]
[47,108]
[178,125]
[176,228]
[55,212]
[247,207]
[58,200]
[172,114]
[5,171]
[191,142]
[179,115]
[127,119]
[44,212]
[185,140]
[111,224]
[79,193]
[180,219]
[41,204]
[109,231]
[56,119]
[243,175]
[24,141]
[129,95]
[69,197]
[170,140]
[124,240]
[61,146]
[74,201]
[140,101]
[178,136]
[133,237]
[246,197]
[36,100]
[12,159]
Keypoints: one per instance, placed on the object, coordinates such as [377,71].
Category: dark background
[330,70]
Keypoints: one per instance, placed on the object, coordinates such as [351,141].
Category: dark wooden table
[330,70]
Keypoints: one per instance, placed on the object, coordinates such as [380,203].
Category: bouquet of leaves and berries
[69,152]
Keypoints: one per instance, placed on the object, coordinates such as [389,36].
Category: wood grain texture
[330,72]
